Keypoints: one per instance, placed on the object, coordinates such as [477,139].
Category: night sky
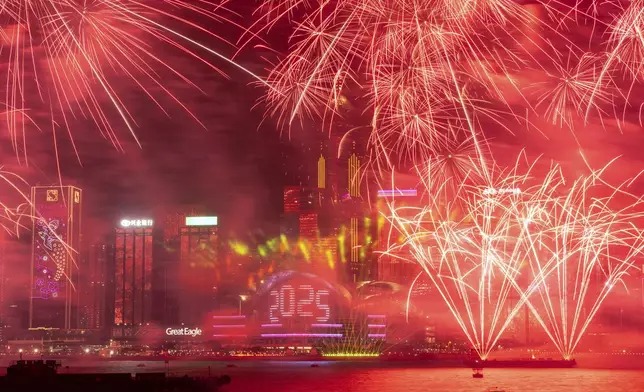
[232,166]
[229,167]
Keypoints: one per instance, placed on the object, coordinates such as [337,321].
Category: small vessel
[315,365]
[231,365]
[140,365]
[477,373]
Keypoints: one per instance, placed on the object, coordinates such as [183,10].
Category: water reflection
[265,376]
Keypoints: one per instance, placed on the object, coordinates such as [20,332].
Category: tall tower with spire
[355,245]
[321,172]
[354,173]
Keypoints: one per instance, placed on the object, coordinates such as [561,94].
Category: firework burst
[453,165]
[419,69]
[522,242]
[72,59]
[422,71]
[568,93]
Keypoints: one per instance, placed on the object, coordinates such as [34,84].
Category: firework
[15,203]
[425,72]
[17,216]
[523,242]
[453,164]
[626,39]
[571,90]
[74,60]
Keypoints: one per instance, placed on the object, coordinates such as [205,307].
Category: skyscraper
[321,172]
[300,218]
[54,262]
[165,283]
[197,275]
[174,217]
[353,183]
[133,264]
[308,226]
[95,284]
[355,243]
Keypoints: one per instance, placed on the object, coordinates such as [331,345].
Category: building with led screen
[55,244]
[300,308]
[199,256]
[133,268]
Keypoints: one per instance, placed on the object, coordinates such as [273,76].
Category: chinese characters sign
[137,223]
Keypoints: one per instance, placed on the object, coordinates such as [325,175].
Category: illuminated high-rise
[54,263]
[355,232]
[308,226]
[321,172]
[169,219]
[133,268]
[300,217]
[353,183]
[174,217]
[197,275]
[95,286]
[326,250]
[328,187]
[292,199]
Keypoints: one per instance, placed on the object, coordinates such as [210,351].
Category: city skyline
[450,183]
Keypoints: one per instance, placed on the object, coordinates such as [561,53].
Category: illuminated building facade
[326,250]
[300,218]
[321,172]
[199,257]
[95,285]
[312,213]
[308,226]
[310,173]
[53,298]
[356,232]
[133,274]
[174,217]
[169,219]
[353,183]
[292,199]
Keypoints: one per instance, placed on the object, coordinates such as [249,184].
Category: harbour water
[281,376]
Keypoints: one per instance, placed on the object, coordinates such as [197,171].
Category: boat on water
[38,374]
[545,363]
[477,373]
